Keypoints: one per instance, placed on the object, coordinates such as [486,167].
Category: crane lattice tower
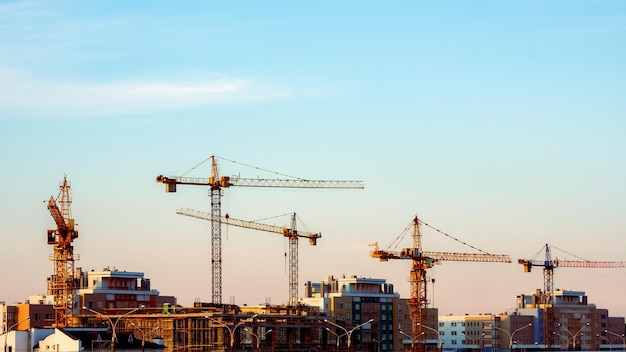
[61,285]
[420,261]
[547,296]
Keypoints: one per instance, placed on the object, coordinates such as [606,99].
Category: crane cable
[453,238]
[236,162]
[261,169]
[566,252]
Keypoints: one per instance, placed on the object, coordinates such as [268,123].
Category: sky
[499,123]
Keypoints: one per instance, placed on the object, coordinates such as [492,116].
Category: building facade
[109,289]
[356,300]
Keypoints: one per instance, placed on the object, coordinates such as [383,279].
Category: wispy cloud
[23,94]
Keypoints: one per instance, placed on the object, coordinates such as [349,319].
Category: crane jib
[262,182]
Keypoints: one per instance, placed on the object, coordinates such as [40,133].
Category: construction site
[375,318]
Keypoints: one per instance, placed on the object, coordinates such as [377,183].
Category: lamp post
[6,333]
[337,336]
[114,324]
[143,335]
[231,331]
[472,340]
[575,334]
[563,337]
[620,336]
[607,340]
[409,336]
[258,337]
[511,334]
[349,332]
[378,344]
[439,343]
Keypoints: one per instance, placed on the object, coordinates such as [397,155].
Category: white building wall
[16,341]
[59,342]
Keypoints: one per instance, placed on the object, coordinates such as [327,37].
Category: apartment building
[112,288]
[355,300]
[578,324]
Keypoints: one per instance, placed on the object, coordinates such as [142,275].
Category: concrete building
[98,290]
[23,316]
[117,289]
[578,323]
[486,332]
[355,300]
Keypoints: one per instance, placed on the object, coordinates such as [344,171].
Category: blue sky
[500,123]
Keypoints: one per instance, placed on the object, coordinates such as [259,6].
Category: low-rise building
[117,289]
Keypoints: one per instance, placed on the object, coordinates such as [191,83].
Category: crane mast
[547,296]
[61,285]
[216,182]
[420,261]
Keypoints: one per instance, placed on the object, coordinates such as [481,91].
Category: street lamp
[511,334]
[574,335]
[6,333]
[143,335]
[258,338]
[607,340]
[620,336]
[231,331]
[337,336]
[114,324]
[409,336]
[436,332]
[349,332]
[473,340]
[564,338]
[378,344]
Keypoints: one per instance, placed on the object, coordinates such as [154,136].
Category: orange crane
[549,265]
[216,182]
[422,260]
[291,233]
[61,284]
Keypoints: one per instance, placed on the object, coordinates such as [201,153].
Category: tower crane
[547,295]
[422,260]
[61,284]
[292,234]
[216,182]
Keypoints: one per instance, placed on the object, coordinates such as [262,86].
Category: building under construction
[210,327]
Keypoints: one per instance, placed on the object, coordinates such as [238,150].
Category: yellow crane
[547,295]
[217,182]
[61,284]
[291,233]
[422,260]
